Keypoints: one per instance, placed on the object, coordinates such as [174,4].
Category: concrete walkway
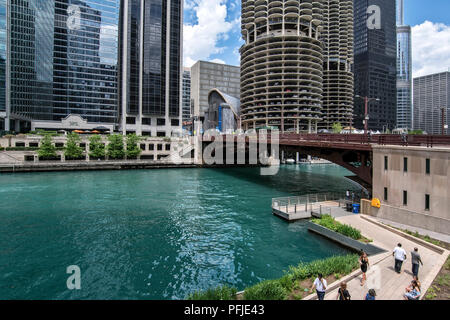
[423,232]
[381,275]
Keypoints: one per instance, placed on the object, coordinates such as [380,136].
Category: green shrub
[338,264]
[96,148]
[329,222]
[266,290]
[133,151]
[47,150]
[219,293]
[72,150]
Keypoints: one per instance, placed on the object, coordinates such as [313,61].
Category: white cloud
[200,40]
[218,61]
[430,48]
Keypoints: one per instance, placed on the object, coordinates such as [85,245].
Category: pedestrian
[343,293]
[364,263]
[411,286]
[414,293]
[320,284]
[415,260]
[400,255]
[371,295]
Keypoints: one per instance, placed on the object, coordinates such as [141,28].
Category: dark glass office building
[62,59]
[150,69]
[375,64]
[3,36]
[86,60]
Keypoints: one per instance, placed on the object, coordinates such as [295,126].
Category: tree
[47,150]
[73,150]
[96,147]
[133,151]
[115,147]
[337,127]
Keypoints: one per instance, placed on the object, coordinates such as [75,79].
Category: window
[151,147]
[386,163]
[385,194]
[160,147]
[143,147]
[131,120]
[160,122]
[405,198]
[428,166]
[405,164]
[175,122]
[427,202]
[167,147]
[147,121]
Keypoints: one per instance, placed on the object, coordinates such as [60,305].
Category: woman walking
[343,293]
[364,263]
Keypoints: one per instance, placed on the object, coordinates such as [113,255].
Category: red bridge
[351,151]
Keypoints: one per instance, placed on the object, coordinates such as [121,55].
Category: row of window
[405,198]
[405,165]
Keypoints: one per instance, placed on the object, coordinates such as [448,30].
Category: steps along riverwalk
[381,275]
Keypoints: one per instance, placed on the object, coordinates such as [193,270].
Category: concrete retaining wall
[412,218]
[343,240]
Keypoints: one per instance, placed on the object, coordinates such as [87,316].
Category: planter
[345,241]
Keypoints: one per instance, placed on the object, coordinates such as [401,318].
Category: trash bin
[356,208]
[349,207]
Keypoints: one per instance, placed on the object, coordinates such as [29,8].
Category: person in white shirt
[320,284]
[400,255]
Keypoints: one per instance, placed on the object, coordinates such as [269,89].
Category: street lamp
[366,110]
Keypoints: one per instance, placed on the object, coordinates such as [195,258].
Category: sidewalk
[381,275]
[424,232]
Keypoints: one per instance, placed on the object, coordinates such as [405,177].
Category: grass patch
[219,293]
[329,222]
[294,285]
[426,238]
[440,288]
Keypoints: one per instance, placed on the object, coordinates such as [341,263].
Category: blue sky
[212,33]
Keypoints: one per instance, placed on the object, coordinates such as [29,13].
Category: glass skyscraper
[375,66]
[62,59]
[86,59]
[3,36]
[404,71]
[151,75]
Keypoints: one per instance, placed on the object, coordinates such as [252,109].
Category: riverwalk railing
[307,202]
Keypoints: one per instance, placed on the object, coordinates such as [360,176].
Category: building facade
[281,65]
[3,51]
[413,185]
[186,116]
[404,71]
[114,63]
[151,67]
[337,38]
[375,63]
[206,76]
[431,94]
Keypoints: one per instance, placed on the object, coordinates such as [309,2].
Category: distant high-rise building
[206,76]
[186,94]
[3,37]
[431,93]
[375,66]
[337,38]
[151,72]
[404,71]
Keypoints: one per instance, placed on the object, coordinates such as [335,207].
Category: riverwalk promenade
[381,275]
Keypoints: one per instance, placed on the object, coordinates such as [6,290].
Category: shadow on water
[296,179]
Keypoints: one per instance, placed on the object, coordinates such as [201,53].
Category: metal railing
[306,202]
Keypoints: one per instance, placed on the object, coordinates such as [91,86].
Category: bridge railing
[380,139]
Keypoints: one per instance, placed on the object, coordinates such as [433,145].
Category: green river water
[153,234]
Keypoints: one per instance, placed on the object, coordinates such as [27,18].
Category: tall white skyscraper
[404,71]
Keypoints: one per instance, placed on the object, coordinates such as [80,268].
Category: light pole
[443,121]
[366,111]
